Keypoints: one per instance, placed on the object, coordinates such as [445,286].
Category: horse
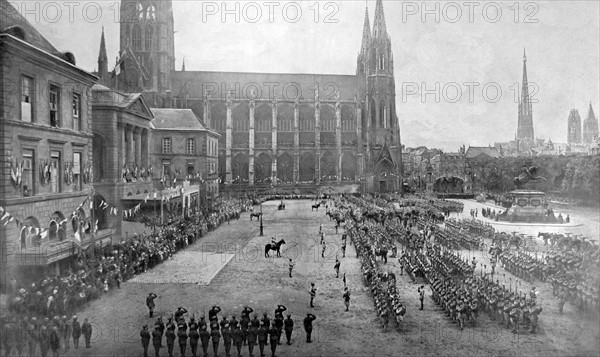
[275,247]
[255,214]
[281,206]
[383,253]
[315,206]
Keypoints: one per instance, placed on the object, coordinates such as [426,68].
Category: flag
[8,221]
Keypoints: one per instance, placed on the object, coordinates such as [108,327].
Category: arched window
[148,39]
[140,10]
[57,228]
[151,13]
[137,38]
[382,116]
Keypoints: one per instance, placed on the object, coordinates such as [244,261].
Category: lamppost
[261,221]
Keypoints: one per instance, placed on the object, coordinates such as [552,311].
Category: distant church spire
[379,28]
[102,59]
[525,122]
[590,127]
[366,39]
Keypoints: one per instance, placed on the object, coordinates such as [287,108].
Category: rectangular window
[191,146]
[55,170]
[26,99]
[76,111]
[54,100]
[166,145]
[77,178]
[28,173]
[166,168]
[190,169]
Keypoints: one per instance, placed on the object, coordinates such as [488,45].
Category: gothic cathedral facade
[277,130]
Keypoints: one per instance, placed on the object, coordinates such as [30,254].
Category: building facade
[46,151]
[122,165]
[574,128]
[183,149]
[276,129]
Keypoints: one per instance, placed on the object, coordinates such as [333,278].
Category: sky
[458,65]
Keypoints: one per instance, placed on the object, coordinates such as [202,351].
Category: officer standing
[308,325]
[182,337]
[288,327]
[262,338]
[274,336]
[215,334]
[266,322]
[421,291]
[156,340]
[150,303]
[77,332]
[145,335]
[346,298]
[251,337]
[204,339]
[238,338]
[227,338]
[337,267]
[170,336]
[313,293]
[291,266]
[194,336]
[86,329]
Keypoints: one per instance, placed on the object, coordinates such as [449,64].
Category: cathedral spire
[102,58]
[366,39]
[591,115]
[379,28]
[525,123]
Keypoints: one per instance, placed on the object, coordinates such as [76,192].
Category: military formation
[232,334]
[36,307]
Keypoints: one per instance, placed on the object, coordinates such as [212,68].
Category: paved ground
[241,275]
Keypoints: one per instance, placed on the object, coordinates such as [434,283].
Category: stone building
[574,128]
[183,148]
[590,127]
[288,130]
[122,167]
[46,152]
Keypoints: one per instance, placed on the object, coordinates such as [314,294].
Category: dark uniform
[215,335]
[145,335]
[263,333]
[308,326]
[182,337]
[86,329]
[288,327]
[337,268]
[76,332]
[227,338]
[150,303]
[347,299]
[274,336]
[238,338]
[266,321]
[313,293]
[194,337]
[251,337]
[156,340]
[204,339]
[170,335]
